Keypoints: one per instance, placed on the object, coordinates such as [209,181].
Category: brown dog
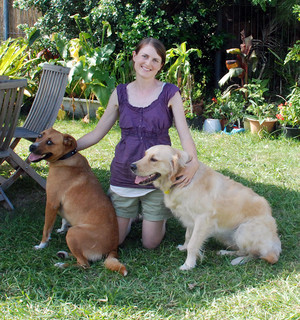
[75,191]
[212,205]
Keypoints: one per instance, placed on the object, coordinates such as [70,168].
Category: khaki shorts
[151,206]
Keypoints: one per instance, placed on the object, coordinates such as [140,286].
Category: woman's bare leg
[153,233]
[124,228]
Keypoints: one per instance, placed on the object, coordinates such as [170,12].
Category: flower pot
[212,125]
[291,132]
[78,107]
[267,125]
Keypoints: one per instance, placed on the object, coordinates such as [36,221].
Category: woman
[145,108]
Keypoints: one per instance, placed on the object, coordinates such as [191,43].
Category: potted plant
[214,113]
[193,107]
[90,84]
[289,114]
[227,107]
[179,73]
[260,113]
[246,61]
[234,107]
[180,67]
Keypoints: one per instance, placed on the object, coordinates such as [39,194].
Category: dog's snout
[33,147]
[133,167]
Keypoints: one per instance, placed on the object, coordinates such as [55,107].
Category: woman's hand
[185,176]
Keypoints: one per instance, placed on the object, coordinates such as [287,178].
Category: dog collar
[68,155]
[167,191]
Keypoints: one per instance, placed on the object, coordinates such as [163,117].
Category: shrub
[171,21]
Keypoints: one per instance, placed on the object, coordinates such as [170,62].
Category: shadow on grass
[154,279]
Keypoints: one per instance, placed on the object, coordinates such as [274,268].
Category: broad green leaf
[234,72]
[35,34]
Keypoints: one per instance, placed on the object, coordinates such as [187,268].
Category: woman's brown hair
[158,45]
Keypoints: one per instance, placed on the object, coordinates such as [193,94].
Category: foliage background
[173,22]
[170,21]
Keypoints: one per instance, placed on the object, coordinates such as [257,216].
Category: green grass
[32,288]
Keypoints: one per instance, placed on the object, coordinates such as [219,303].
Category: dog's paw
[240,260]
[42,245]
[181,247]
[60,265]
[62,254]
[61,230]
[64,227]
[186,267]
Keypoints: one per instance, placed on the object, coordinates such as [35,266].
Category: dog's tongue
[139,179]
[33,157]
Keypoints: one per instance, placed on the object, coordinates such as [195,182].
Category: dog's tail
[112,263]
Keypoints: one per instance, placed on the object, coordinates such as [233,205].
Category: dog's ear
[179,161]
[183,158]
[175,167]
[69,141]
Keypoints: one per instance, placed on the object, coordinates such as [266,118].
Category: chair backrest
[4,78]
[48,99]
[11,99]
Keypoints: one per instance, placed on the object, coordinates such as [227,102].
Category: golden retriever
[212,205]
[75,191]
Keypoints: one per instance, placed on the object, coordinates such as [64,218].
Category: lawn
[32,288]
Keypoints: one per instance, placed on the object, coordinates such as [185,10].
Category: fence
[16,17]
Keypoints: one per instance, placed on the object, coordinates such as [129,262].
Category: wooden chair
[46,104]
[4,78]
[41,116]
[11,98]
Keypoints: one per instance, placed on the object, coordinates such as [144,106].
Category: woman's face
[147,62]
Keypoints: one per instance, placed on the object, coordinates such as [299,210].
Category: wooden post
[5,20]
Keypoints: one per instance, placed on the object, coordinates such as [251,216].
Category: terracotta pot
[267,125]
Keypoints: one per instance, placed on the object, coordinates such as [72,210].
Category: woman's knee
[151,243]
[153,233]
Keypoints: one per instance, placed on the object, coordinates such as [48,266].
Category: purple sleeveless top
[141,128]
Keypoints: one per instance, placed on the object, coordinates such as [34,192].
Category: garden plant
[289,112]
[102,34]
